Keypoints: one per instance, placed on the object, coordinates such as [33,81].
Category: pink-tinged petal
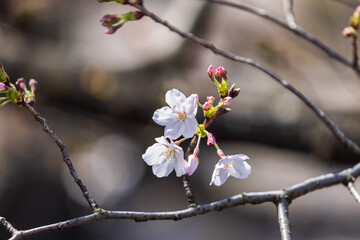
[174,98]
[193,164]
[153,154]
[190,128]
[219,176]
[174,131]
[164,116]
[163,169]
[190,106]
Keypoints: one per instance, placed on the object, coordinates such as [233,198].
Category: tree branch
[289,13]
[254,198]
[353,191]
[64,152]
[296,30]
[348,143]
[283,218]
[8,226]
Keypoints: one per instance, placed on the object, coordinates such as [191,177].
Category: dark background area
[98,93]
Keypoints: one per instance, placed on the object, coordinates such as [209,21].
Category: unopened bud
[349,32]
[233,92]
[193,162]
[21,83]
[113,29]
[207,106]
[210,72]
[3,87]
[110,19]
[33,84]
[211,99]
[227,101]
[220,74]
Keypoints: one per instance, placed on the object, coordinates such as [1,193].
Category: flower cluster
[12,94]
[179,119]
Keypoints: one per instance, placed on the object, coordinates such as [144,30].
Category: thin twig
[297,30]
[254,198]
[355,52]
[348,143]
[94,206]
[283,218]
[289,13]
[8,226]
[353,191]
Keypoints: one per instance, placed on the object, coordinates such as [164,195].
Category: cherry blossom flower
[178,119]
[164,157]
[234,165]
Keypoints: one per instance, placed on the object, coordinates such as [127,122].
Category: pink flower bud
[210,71]
[227,101]
[349,31]
[33,84]
[193,164]
[207,106]
[109,19]
[113,29]
[211,99]
[220,73]
[21,83]
[210,139]
[3,87]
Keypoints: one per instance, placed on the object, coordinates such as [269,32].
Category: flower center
[181,116]
[229,165]
[169,154]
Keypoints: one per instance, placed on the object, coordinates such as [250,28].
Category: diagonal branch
[8,226]
[289,13]
[348,143]
[296,30]
[283,218]
[353,191]
[64,152]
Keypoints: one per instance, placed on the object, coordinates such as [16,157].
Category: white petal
[175,99]
[174,131]
[219,176]
[181,167]
[153,154]
[191,106]
[164,116]
[163,169]
[162,140]
[242,170]
[190,128]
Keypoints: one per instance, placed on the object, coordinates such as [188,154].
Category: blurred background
[98,93]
